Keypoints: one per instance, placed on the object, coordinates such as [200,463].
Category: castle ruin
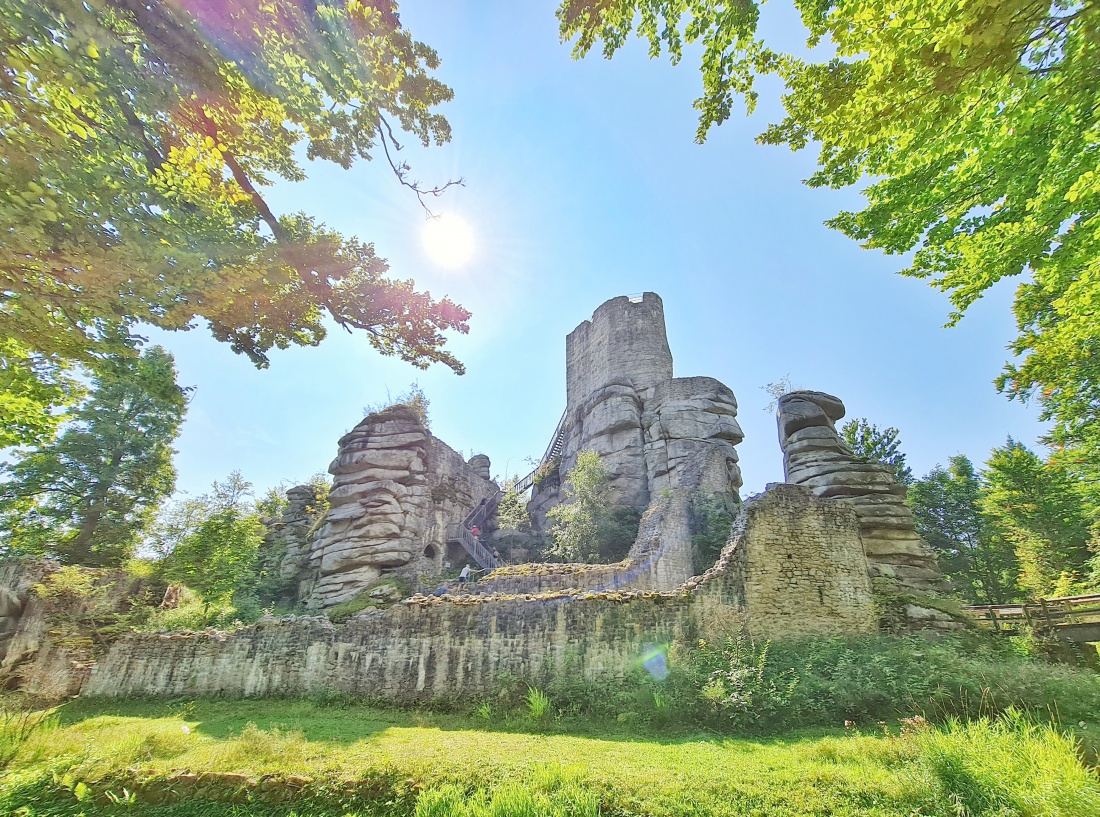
[801,558]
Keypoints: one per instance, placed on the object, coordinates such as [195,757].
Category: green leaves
[868,442]
[85,497]
[588,528]
[977,126]
[138,140]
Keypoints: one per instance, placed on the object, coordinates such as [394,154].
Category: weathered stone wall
[47,649]
[659,559]
[803,563]
[623,342]
[459,645]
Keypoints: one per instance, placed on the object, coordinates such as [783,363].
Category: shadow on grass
[343,724]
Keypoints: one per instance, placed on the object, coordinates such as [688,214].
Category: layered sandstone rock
[814,456]
[285,552]
[395,489]
[655,433]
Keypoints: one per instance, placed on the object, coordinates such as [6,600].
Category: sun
[448,240]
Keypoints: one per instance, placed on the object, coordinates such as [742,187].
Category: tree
[868,442]
[218,543]
[588,527]
[1040,509]
[85,497]
[978,126]
[138,136]
[34,392]
[947,504]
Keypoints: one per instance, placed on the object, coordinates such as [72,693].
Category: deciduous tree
[139,136]
[86,496]
[1041,510]
[947,504]
[588,527]
[35,390]
[978,127]
[219,536]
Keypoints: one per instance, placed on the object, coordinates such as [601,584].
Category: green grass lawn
[305,758]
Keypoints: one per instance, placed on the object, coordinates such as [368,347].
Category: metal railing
[456,532]
[557,442]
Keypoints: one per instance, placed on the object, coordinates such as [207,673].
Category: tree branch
[401,171]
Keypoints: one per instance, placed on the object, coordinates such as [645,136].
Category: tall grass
[762,686]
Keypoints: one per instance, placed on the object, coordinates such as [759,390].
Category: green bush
[826,682]
[762,686]
[712,517]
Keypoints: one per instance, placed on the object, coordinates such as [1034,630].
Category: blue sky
[583,182]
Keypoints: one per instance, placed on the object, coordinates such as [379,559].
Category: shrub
[827,681]
[712,517]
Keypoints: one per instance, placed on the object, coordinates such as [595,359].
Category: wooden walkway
[1070,618]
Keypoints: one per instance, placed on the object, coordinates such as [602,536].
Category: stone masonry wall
[803,563]
[459,645]
[623,342]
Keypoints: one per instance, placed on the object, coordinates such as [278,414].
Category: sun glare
[448,240]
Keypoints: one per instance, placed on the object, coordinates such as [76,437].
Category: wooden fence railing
[1044,614]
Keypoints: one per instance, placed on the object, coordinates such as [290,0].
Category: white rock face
[395,490]
[814,456]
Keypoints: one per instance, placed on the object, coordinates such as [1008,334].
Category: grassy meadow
[315,758]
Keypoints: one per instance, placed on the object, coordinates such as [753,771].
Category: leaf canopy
[138,137]
[976,125]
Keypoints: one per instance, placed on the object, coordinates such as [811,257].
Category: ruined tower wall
[623,342]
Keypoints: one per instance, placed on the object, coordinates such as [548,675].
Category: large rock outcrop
[656,434]
[814,456]
[395,490]
[285,552]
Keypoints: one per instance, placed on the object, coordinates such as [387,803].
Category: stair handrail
[552,451]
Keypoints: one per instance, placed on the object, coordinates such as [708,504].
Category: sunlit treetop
[976,124]
[138,138]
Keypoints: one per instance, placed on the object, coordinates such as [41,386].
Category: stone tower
[654,432]
[624,342]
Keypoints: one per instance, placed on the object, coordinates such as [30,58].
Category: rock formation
[661,439]
[395,490]
[814,456]
[652,431]
[285,552]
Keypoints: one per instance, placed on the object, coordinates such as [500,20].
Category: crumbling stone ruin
[652,431]
[801,558]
